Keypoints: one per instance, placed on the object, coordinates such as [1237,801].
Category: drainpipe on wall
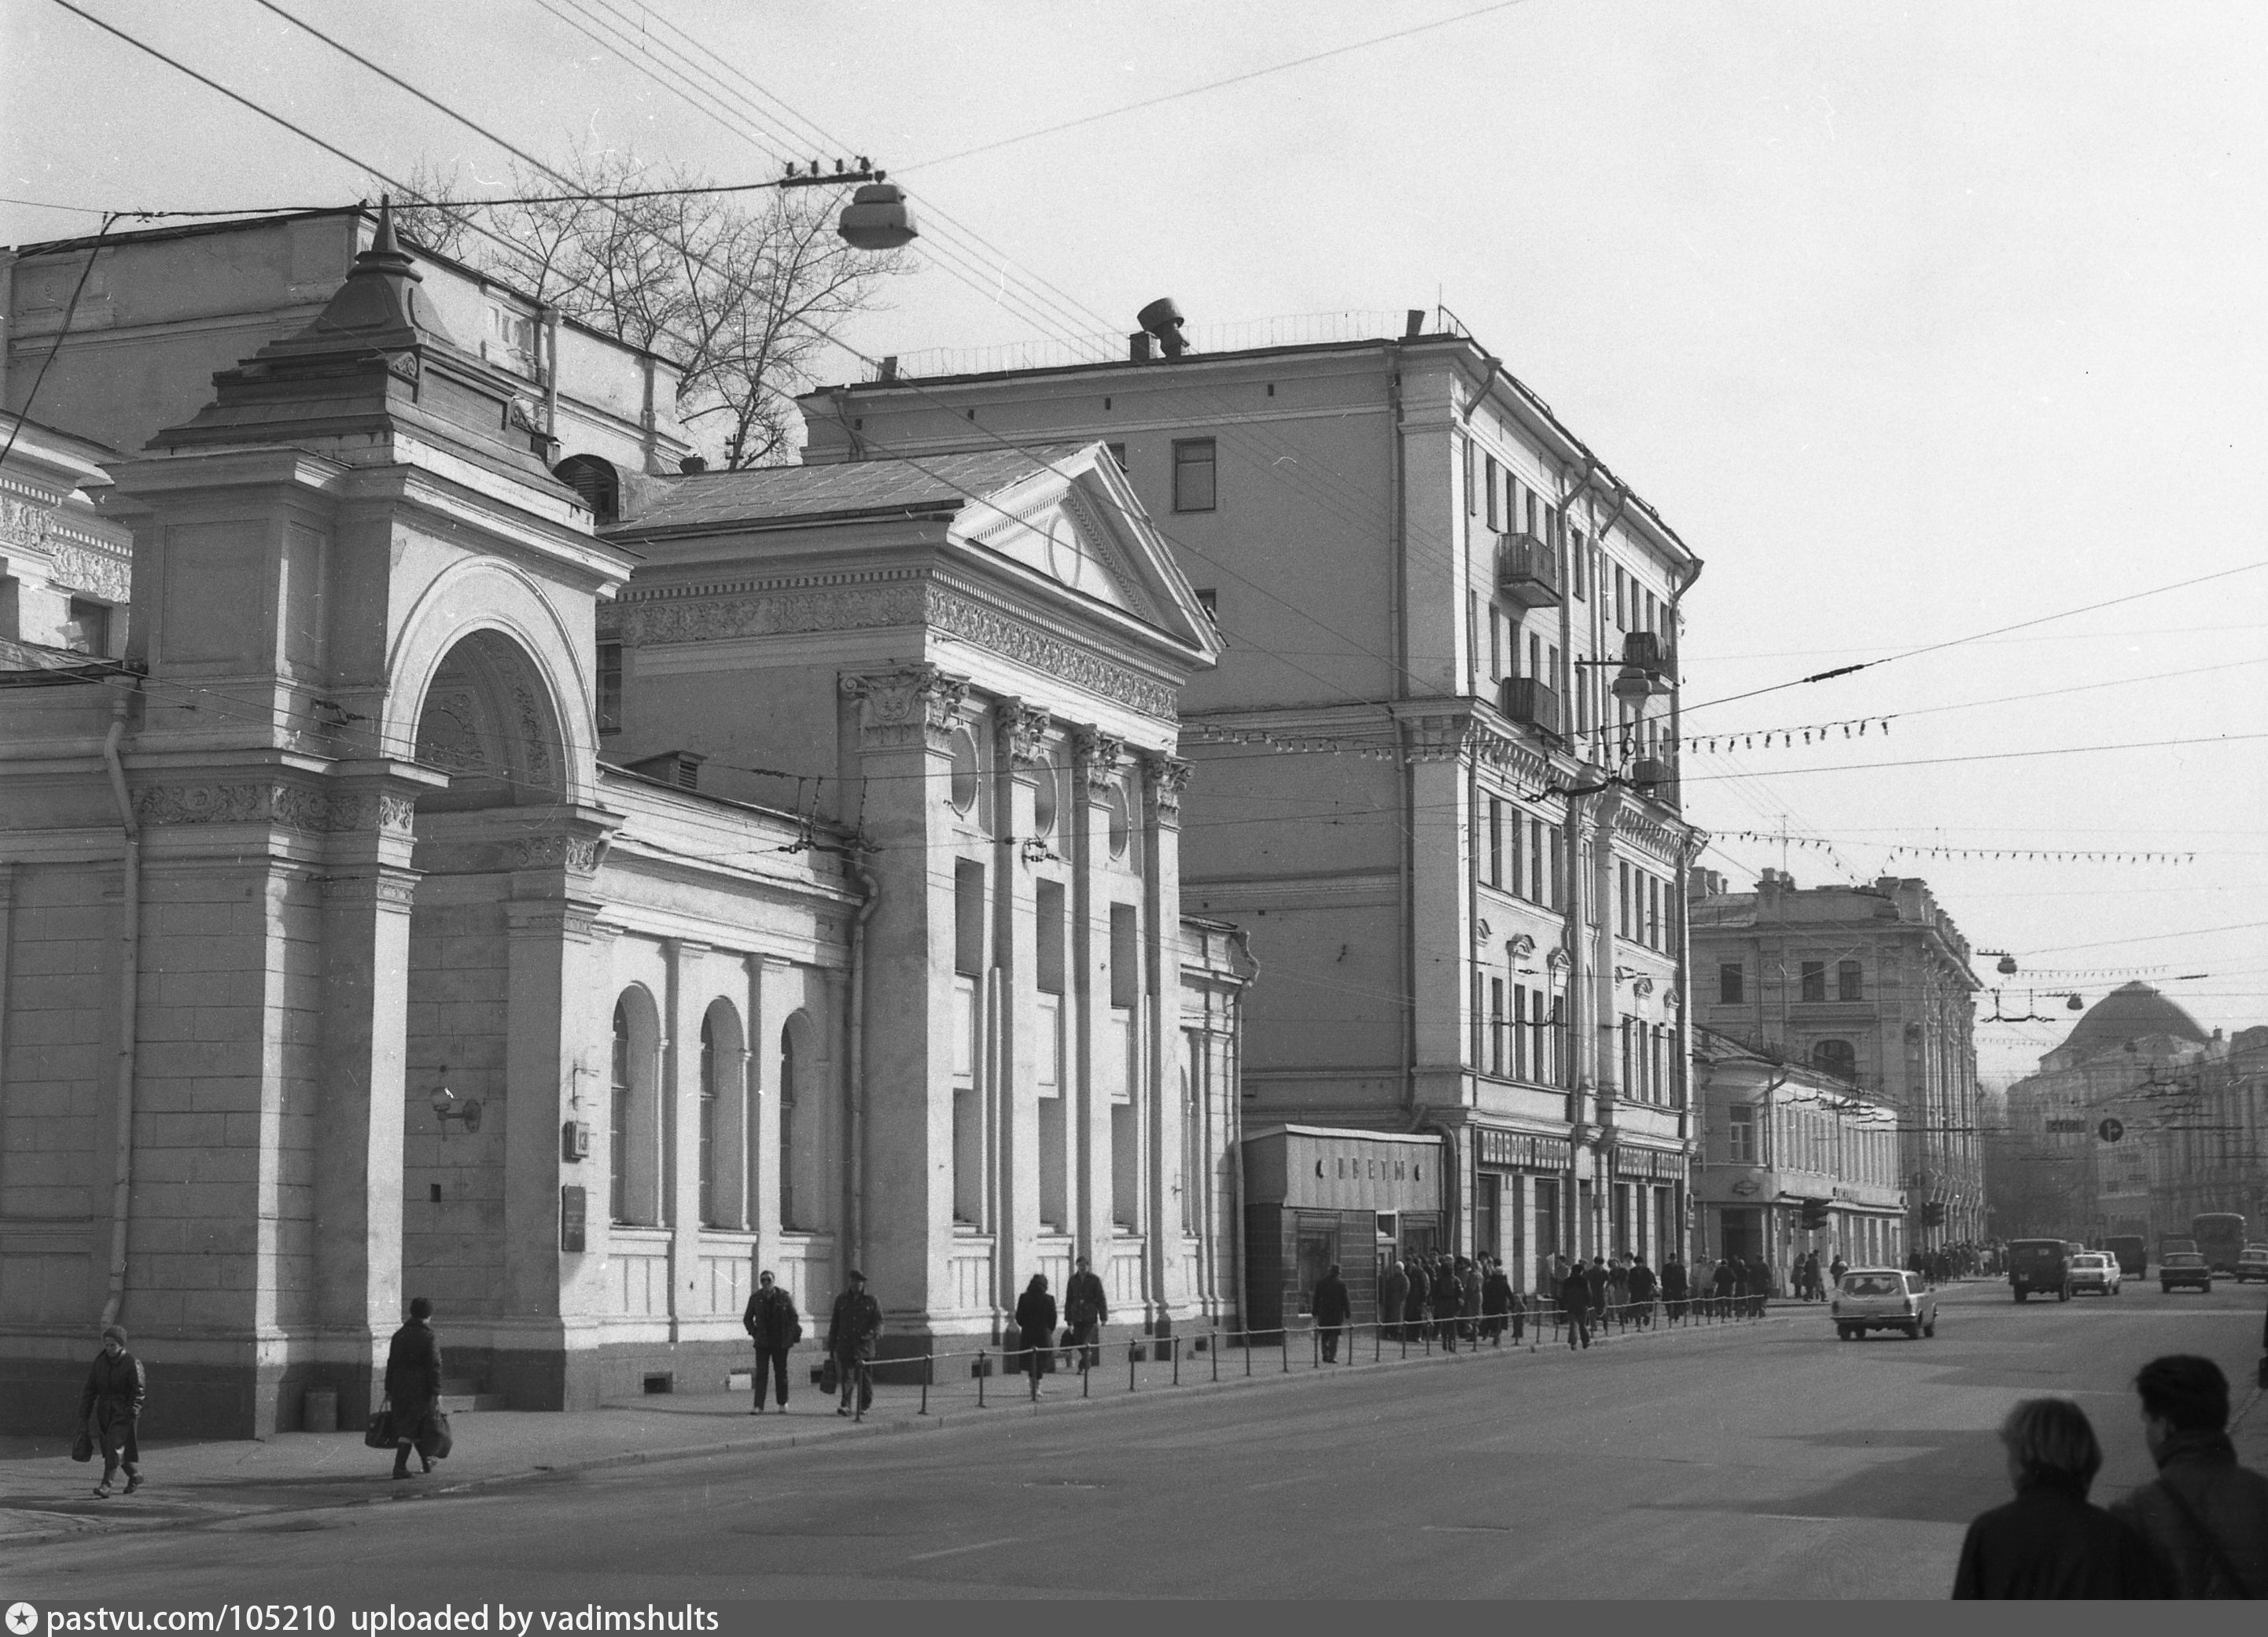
[550,317]
[1396,597]
[857,1073]
[1689,1118]
[130,973]
[1242,940]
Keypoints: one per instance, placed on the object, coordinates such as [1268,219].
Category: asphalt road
[1759,1462]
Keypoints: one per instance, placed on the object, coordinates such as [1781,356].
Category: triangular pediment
[1077,524]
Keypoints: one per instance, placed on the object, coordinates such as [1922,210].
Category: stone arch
[634,1122]
[488,721]
[487,644]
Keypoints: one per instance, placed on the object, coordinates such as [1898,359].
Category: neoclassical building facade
[336,965]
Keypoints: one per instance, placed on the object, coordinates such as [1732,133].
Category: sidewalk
[45,1496]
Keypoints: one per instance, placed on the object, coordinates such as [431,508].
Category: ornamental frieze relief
[581,854]
[24,524]
[293,807]
[110,577]
[712,619]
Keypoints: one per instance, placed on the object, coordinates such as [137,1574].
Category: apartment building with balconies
[1435,777]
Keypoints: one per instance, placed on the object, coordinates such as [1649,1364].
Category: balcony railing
[1527,572]
[1525,699]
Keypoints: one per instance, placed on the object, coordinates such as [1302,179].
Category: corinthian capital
[1097,753]
[914,705]
[1168,776]
[1024,733]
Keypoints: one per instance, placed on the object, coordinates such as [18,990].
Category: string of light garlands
[1764,739]
[2042,855]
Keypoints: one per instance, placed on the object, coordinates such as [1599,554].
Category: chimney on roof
[1413,324]
[1162,319]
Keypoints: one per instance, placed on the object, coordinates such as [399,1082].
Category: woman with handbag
[413,1389]
[113,1398]
[1036,1320]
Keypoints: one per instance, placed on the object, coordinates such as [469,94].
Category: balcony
[1527,572]
[1525,699]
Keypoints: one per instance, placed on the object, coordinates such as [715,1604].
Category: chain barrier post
[1133,1356]
[1215,1351]
[1284,1340]
[929,1365]
[1176,1341]
[981,1370]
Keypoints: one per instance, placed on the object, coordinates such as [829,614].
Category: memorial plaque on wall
[571,1218]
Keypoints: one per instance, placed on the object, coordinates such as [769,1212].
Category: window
[1815,980]
[1519,1031]
[1193,475]
[1125,956]
[1488,468]
[618,1120]
[1048,908]
[1742,1129]
[967,917]
[596,482]
[708,1200]
[1846,981]
[1208,599]
[1118,454]
[1496,1026]
[789,1087]
[90,628]
[610,688]
[1623,899]
[1837,1056]
[1537,885]
[1495,842]
[1472,492]
[1558,896]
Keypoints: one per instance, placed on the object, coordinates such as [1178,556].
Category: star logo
[23,1620]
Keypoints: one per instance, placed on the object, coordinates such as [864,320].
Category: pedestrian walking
[413,1387]
[1575,1297]
[1724,1286]
[1674,1288]
[1085,1311]
[1469,1303]
[1837,1269]
[1331,1306]
[1594,1281]
[1496,1303]
[2049,1542]
[2204,1518]
[1392,1297]
[1449,1297]
[1618,1290]
[1812,1292]
[112,1402]
[1035,1326]
[1416,1304]
[852,1331]
[1643,1288]
[775,1326]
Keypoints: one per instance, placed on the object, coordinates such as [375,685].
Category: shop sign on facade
[1505,1150]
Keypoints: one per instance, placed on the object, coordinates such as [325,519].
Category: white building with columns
[338,966]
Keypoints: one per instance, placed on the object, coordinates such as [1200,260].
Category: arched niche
[802,1194]
[634,1122]
[487,720]
[725,1118]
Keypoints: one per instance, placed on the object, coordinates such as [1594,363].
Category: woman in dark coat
[1036,1324]
[113,1398]
[1413,1305]
[413,1387]
[1448,1298]
[1496,1302]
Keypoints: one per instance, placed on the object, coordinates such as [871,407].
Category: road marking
[982,1545]
[1467,1529]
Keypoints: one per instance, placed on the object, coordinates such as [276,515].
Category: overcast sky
[1916,321]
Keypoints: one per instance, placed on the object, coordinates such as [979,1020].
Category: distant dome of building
[2130,1012]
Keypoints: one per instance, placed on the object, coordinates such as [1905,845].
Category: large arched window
[725,1118]
[597,482]
[1837,1056]
[708,1216]
[634,1112]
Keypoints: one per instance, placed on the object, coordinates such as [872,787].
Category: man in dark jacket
[1414,1305]
[1086,1310]
[1331,1308]
[2049,1542]
[1594,1280]
[1674,1288]
[1496,1302]
[115,1387]
[1643,1289]
[1448,1298]
[775,1326]
[852,1331]
[1392,1297]
[2206,1518]
[413,1387]
[1575,1297]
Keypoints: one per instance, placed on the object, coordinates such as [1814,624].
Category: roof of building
[851,488]
[2130,1012]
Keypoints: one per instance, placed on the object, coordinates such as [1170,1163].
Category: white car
[2095,1270]
[2252,1263]
[1882,1298]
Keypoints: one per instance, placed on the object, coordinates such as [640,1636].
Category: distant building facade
[1796,1160]
[1435,777]
[1870,985]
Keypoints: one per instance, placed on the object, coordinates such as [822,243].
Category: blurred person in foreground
[2049,1542]
[2206,1518]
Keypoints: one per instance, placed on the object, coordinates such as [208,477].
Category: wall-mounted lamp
[1035,850]
[448,1106]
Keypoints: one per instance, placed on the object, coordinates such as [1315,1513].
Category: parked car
[2094,1271]
[2040,1266]
[2184,1268]
[2252,1263]
[1882,1298]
